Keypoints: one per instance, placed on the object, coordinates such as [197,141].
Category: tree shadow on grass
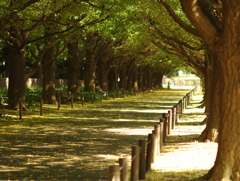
[79,143]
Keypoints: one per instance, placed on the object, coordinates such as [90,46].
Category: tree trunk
[213,103]
[140,78]
[48,70]
[149,78]
[130,81]
[123,77]
[113,79]
[73,68]
[90,69]
[16,66]
[103,71]
[135,77]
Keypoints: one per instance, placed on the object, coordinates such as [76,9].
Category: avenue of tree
[138,42]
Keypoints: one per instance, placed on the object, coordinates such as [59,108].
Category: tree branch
[199,20]
[178,20]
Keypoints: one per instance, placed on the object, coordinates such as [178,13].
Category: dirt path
[183,158]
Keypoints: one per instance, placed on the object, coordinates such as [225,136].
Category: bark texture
[49,71]
[90,72]
[73,67]
[16,63]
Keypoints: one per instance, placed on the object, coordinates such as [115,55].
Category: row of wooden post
[147,152]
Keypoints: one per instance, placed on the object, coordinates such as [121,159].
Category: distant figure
[169,84]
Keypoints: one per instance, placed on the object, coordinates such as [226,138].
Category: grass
[79,143]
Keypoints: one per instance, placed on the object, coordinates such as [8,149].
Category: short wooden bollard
[180,107]
[20,109]
[164,127]
[41,107]
[142,159]
[161,125]
[135,163]
[123,169]
[177,112]
[185,102]
[114,173]
[157,134]
[82,98]
[173,117]
[149,153]
[59,102]
[154,146]
[92,97]
[169,122]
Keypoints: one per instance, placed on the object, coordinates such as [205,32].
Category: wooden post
[123,169]
[169,121]
[114,173]
[41,105]
[101,97]
[154,146]
[59,101]
[164,126]
[135,163]
[157,134]
[71,100]
[20,109]
[149,153]
[161,124]
[173,117]
[184,103]
[92,97]
[177,112]
[180,108]
[82,98]
[142,163]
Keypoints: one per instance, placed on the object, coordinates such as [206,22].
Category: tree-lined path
[78,143]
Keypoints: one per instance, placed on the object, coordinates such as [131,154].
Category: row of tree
[135,41]
[99,41]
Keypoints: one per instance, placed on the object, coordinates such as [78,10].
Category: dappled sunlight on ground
[79,143]
[183,158]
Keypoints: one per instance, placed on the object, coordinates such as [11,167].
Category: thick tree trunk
[211,131]
[73,68]
[227,164]
[149,78]
[135,77]
[130,81]
[90,71]
[123,77]
[140,78]
[49,69]
[113,79]
[16,67]
[103,71]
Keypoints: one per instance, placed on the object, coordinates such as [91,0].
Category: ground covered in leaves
[183,158]
[81,143]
